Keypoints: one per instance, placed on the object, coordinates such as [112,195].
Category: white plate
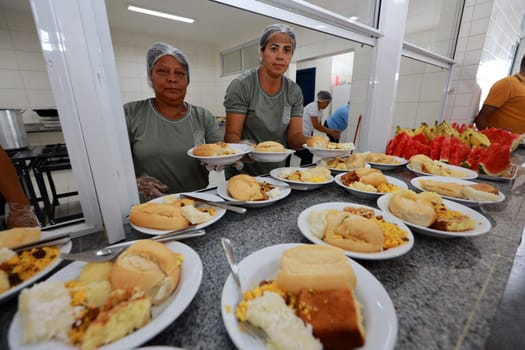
[224,160]
[366,194]
[379,315]
[270,157]
[469,174]
[219,212]
[304,227]
[383,166]
[468,202]
[222,190]
[482,223]
[162,315]
[326,152]
[324,163]
[66,248]
[299,185]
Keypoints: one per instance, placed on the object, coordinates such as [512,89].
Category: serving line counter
[446,292]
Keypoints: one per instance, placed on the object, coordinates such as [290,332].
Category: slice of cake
[335,316]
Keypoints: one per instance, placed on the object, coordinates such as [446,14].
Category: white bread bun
[158,216]
[269,146]
[407,205]
[316,267]
[317,142]
[149,265]
[482,192]
[206,150]
[353,232]
[245,188]
[354,161]
[420,162]
[371,176]
[19,236]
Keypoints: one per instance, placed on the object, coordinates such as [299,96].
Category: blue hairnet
[161,49]
[324,96]
[273,29]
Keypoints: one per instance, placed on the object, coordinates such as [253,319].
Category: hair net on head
[273,29]
[324,96]
[162,49]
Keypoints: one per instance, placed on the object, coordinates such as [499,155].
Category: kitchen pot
[12,132]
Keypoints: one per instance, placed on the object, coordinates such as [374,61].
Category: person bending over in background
[338,121]
[264,105]
[19,211]
[504,106]
[163,128]
[312,120]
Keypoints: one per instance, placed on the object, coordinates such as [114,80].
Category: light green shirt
[267,117]
[159,145]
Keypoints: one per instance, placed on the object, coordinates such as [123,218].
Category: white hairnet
[273,29]
[162,49]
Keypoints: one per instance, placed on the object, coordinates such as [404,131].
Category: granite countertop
[445,292]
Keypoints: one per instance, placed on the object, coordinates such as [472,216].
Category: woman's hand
[21,215]
[150,187]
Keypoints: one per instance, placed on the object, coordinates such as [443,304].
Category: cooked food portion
[285,330]
[95,271]
[427,209]
[214,150]
[16,268]
[318,285]
[424,164]
[269,146]
[381,158]
[482,192]
[149,265]
[19,236]
[369,180]
[317,141]
[335,316]
[353,161]
[244,187]
[173,214]
[317,174]
[356,229]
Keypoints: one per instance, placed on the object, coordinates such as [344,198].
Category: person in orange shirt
[504,106]
[19,211]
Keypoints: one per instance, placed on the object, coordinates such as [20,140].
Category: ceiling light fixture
[160,14]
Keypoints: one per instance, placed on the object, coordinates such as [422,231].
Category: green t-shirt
[267,117]
[159,145]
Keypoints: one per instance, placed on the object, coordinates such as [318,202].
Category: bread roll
[482,192]
[354,161]
[206,150]
[405,204]
[316,267]
[245,188]
[371,176]
[269,146]
[149,265]
[353,232]
[19,236]
[317,142]
[158,216]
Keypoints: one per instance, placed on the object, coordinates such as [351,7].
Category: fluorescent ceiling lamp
[160,14]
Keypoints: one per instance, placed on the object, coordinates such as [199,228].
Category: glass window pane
[361,11]
[251,56]
[433,25]
[231,62]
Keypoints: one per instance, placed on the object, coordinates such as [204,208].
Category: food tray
[510,175]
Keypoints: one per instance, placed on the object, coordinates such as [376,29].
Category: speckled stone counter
[446,292]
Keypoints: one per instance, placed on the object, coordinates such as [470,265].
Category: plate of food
[429,214]
[168,213]
[509,175]
[383,161]
[324,267]
[151,313]
[219,153]
[466,192]
[321,147]
[343,164]
[253,192]
[373,235]
[305,179]
[270,152]
[368,183]
[423,165]
[26,267]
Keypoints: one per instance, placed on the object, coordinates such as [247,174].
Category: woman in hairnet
[264,105]
[163,128]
